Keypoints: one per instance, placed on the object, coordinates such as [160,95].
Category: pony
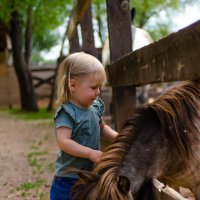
[158,140]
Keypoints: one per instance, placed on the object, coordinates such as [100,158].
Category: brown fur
[178,113]
[178,110]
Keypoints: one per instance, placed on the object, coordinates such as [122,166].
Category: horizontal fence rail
[175,57]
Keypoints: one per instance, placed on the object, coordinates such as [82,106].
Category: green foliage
[47,16]
[148,9]
[36,56]
[41,114]
[155,16]
[100,17]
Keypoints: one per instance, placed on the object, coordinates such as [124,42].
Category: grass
[35,157]
[31,185]
[41,114]
[34,161]
[26,188]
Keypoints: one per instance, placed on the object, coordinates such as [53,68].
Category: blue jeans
[61,188]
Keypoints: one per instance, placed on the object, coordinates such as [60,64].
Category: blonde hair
[77,65]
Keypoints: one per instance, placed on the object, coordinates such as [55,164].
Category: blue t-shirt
[84,123]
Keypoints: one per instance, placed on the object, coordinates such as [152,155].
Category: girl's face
[85,90]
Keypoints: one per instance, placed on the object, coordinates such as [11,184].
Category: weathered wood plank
[119,26]
[175,57]
[165,192]
[76,16]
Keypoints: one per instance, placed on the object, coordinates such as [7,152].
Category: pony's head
[105,181]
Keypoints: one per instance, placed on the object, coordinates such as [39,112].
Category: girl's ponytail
[63,91]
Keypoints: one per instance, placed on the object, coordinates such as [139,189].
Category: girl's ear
[73,84]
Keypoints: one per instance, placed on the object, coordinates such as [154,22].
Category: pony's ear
[133,12]
[123,184]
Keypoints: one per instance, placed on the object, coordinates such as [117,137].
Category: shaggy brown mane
[105,187]
[177,110]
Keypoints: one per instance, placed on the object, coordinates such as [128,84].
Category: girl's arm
[107,132]
[71,147]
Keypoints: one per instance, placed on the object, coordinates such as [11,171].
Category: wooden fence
[173,58]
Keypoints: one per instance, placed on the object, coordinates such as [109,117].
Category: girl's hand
[95,155]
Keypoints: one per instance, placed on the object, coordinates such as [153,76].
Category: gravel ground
[27,156]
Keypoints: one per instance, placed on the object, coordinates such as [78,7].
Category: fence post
[120,40]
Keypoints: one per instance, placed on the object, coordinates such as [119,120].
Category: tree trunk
[88,33]
[3,44]
[28,34]
[74,45]
[27,94]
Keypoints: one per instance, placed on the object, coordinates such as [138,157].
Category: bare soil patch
[27,157]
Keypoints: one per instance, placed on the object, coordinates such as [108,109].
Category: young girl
[78,119]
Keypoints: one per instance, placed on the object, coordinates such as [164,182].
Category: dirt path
[27,156]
